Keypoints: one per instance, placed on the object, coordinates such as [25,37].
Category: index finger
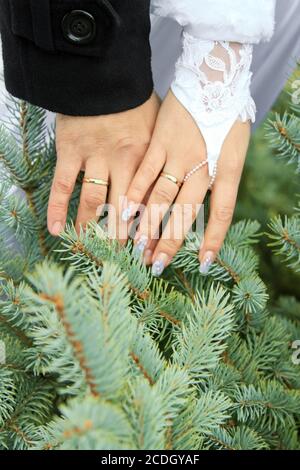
[146,175]
[66,172]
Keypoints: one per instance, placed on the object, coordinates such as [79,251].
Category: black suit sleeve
[77,57]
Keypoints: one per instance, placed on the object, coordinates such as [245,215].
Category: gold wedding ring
[99,182]
[171,178]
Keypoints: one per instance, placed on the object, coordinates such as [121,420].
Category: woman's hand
[109,148]
[176,147]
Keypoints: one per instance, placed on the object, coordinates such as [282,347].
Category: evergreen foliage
[284,135]
[100,355]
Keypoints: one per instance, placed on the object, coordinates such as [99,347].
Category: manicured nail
[141,245]
[160,264]
[206,263]
[57,228]
[128,212]
[148,256]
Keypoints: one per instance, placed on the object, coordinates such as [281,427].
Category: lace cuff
[212,82]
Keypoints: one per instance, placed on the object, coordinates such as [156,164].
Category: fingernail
[140,246]
[57,228]
[160,264]
[148,256]
[127,212]
[206,263]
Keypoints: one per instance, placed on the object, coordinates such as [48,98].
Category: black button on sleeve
[77,57]
[79,27]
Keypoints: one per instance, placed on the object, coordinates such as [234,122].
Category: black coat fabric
[110,72]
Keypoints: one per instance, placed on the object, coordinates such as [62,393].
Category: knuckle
[63,185]
[170,246]
[125,144]
[136,192]
[163,195]
[223,214]
[93,199]
[56,207]
[131,142]
[148,172]
[129,148]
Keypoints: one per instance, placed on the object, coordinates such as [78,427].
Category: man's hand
[109,148]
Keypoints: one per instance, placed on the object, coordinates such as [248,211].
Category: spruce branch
[236,438]
[243,233]
[87,424]
[268,403]
[7,395]
[250,296]
[285,234]
[200,343]
[33,407]
[148,415]
[289,306]
[284,136]
[146,356]
[90,315]
[211,411]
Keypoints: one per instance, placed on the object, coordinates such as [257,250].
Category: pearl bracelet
[197,168]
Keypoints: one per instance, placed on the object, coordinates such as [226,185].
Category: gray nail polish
[126,214]
[158,268]
[141,245]
[206,263]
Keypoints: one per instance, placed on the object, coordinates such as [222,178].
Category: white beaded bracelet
[213,178]
[194,170]
[197,168]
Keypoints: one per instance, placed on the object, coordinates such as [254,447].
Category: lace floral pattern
[213,81]
[219,75]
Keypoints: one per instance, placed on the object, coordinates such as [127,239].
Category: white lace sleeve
[212,81]
[213,74]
